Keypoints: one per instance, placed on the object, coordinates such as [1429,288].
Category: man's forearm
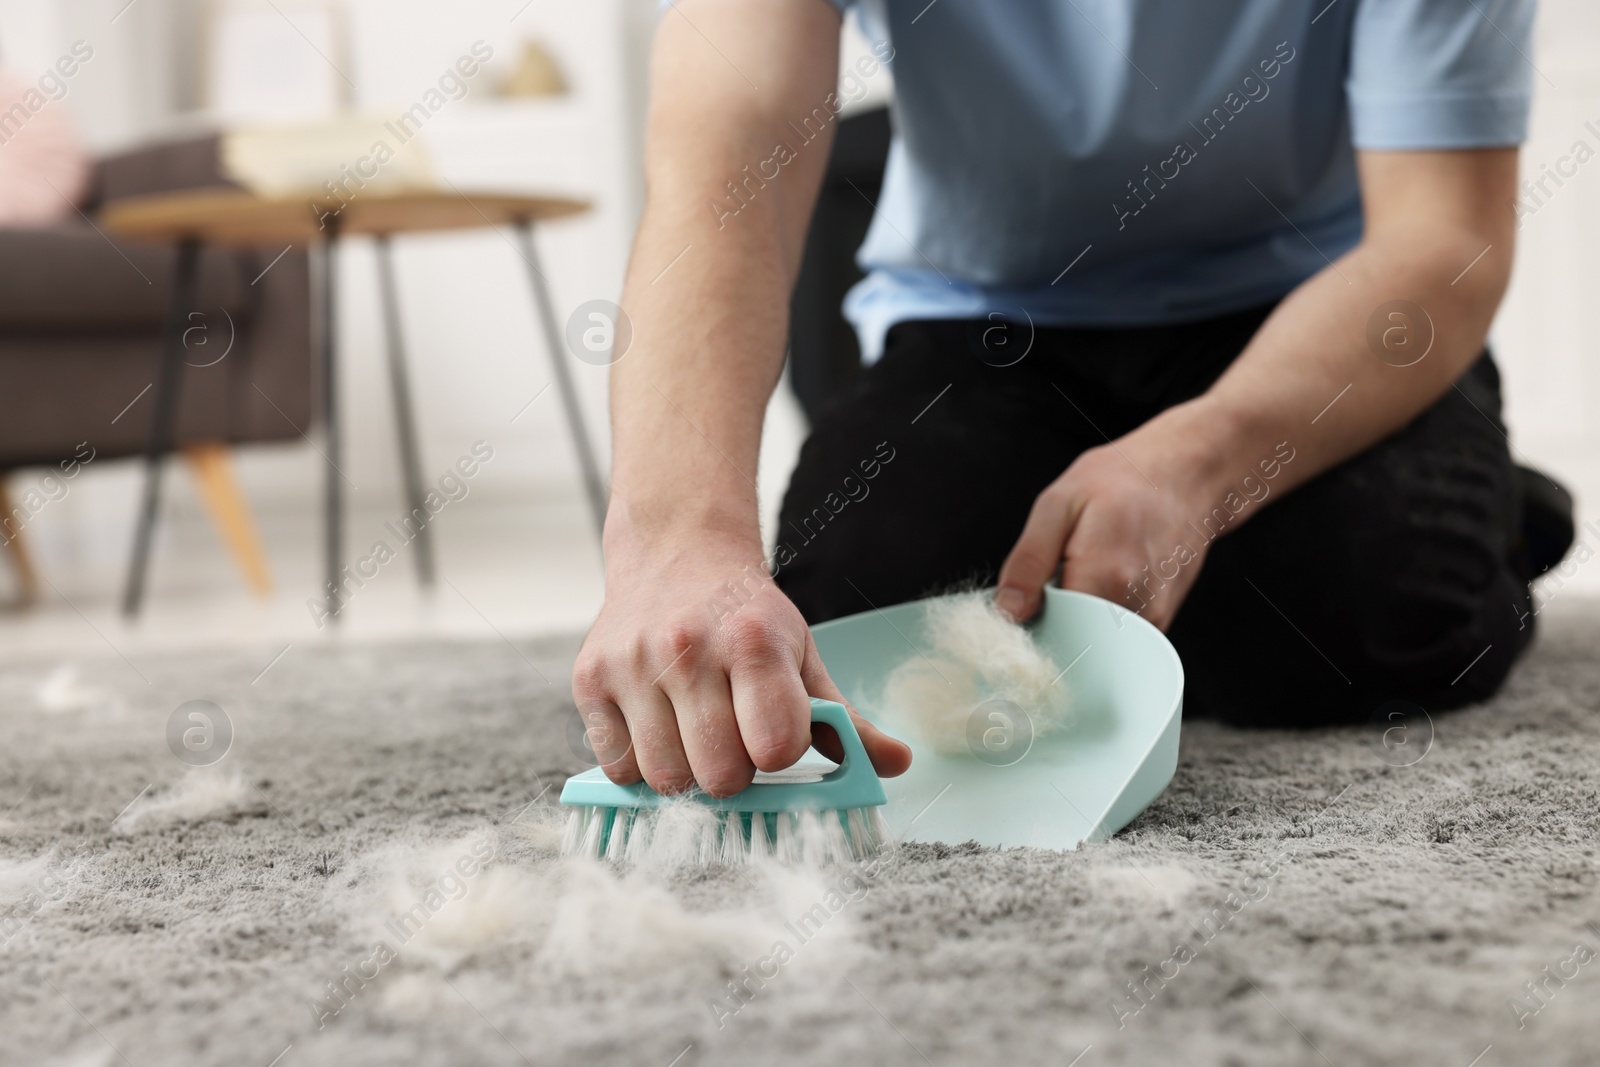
[1355,353]
[673,686]
[687,406]
[707,290]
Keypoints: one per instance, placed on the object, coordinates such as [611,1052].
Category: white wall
[128,87]
[1547,336]
[474,350]
[475,353]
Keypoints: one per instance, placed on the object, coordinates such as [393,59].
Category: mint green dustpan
[1011,788]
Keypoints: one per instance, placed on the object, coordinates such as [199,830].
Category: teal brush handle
[852,784]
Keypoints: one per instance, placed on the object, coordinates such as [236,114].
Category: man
[1181,305]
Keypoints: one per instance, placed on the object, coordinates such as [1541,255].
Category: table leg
[17,549]
[404,414]
[168,386]
[333,501]
[593,483]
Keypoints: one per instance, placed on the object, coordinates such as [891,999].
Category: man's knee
[1341,599]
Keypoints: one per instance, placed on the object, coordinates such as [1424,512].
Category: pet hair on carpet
[484,904]
[1338,904]
[18,877]
[538,826]
[200,796]
[978,655]
[1164,885]
[29,887]
[84,1055]
[62,690]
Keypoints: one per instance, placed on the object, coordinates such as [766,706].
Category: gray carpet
[1379,913]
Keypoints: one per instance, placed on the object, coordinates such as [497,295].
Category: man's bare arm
[1439,234]
[709,333]
[680,681]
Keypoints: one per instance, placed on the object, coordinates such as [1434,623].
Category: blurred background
[556,109]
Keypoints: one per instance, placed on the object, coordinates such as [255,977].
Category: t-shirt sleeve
[1440,73]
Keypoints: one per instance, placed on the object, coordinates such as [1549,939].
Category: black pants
[1395,576]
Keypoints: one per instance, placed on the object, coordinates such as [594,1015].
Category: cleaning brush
[789,816]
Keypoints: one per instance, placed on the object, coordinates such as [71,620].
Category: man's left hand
[1116,523]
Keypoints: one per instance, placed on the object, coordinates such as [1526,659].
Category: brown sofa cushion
[94,382]
[63,389]
[72,279]
[81,330]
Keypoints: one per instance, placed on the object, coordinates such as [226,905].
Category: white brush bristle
[760,846]
[617,843]
[574,833]
[685,833]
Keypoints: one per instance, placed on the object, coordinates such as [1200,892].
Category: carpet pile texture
[367,877]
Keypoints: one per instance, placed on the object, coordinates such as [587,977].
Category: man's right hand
[699,671]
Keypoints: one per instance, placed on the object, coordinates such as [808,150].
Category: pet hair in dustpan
[975,654]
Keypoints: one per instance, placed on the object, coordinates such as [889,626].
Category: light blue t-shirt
[1139,162]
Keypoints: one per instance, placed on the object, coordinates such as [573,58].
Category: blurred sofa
[81,316]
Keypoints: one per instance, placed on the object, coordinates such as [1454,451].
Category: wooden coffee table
[227,216]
